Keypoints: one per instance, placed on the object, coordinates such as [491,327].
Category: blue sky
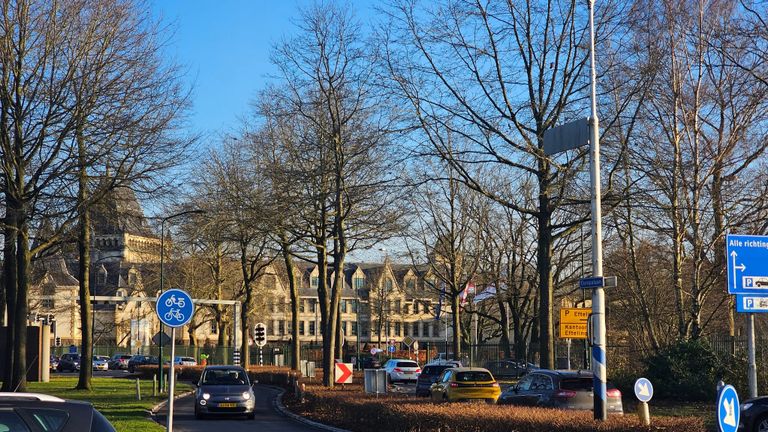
[224,48]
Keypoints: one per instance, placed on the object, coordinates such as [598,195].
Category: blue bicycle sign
[174,308]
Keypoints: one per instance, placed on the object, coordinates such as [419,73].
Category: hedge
[353,410]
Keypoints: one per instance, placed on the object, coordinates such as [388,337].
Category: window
[425,329]
[406,308]
[101,277]
[315,282]
[435,330]
[281,328]
[353,306]
[388,284]
[131,277]
[415,307]
[426,306]
[214,327]
[359,283]
[311,328]
[312,306]
[411,284]
[525,382]
[10,421]
[397,306]
[301,328]
[397,329]
[301,306]
[343,306]
[47,419]
[354,329]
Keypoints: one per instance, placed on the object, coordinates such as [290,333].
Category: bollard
[138,389]
[154,385]
[644,414]
[303,389]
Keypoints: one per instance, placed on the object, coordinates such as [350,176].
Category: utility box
[375,381]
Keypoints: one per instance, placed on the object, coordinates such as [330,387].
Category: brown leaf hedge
[353,410]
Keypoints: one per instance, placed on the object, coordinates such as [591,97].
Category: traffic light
[260,334]
[57,341]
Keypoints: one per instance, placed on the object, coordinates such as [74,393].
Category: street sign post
[566,137]
[728,409]
[573,323]
[597,282]
[174,308]
[260,337]
[644,393]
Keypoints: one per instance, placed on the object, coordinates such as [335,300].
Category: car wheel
[198,415]
[761,425]
[490,401]
[445,398]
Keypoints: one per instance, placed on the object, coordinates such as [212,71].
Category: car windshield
[224,377]
[474,376]
[434,370]
[407,364]
[576,384]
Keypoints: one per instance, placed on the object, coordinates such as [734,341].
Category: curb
[278,404]
[153,411]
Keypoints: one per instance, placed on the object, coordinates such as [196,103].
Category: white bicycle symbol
[172,301]
[175,314]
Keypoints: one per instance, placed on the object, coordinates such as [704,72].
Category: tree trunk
[455,307]
[504,315]
[544,262]
[19,379]
[295,303]
[83,271]
[10,280]
[245,355]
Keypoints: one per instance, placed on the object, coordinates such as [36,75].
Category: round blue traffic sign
[728,409]
[174,307]
[643,389]
[391,348]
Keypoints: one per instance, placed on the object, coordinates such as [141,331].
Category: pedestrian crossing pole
[598,294]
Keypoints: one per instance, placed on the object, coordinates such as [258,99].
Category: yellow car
[465,383]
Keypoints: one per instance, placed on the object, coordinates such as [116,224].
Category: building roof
[121,213]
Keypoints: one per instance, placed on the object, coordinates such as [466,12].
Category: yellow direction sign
[573,323]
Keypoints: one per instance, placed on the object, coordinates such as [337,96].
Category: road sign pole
[752,367]
[598,294]
[171,379]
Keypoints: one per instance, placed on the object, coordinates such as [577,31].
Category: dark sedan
[509,369]
[429,376]
[754,415]
[69,362]
[559,389]
[33,412]
[141,360]
[224,390]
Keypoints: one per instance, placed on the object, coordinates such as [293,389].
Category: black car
[31,412]
[69,362]
[370,363]
[559,389]
[224,390]
[509,369]
[140,360]
[429,376]
[754,415]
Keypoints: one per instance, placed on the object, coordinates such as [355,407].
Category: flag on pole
[470,288]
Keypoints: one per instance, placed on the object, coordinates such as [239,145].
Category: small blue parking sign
[174,308]
[643,389]
[728,409]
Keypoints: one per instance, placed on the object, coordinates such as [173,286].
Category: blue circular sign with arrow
[174,307]
[728,409]
[643,389]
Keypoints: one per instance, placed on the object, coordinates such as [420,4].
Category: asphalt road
[267,418]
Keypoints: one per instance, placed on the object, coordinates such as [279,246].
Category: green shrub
[687,370]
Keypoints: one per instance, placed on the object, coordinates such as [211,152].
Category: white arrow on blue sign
[643,389]
[728,409]
[174,307]
[747,258]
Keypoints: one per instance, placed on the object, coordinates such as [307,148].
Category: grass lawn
[114,397]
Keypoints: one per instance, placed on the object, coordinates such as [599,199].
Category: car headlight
[746,406]
[206,396]
[246,395]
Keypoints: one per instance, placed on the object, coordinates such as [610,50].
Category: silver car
[402,370]
[224,390]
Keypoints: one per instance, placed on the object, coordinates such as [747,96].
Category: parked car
[183,361]
[465,383]
[370,363]
[140,360]
[559,389]
[69,362]
[429,376]
[402,370]
[100,362]
[42,413]
[54,363]
[119,361]
[224,390]
[509,369]
[754,415]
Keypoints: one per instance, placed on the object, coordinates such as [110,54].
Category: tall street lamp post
[162,262]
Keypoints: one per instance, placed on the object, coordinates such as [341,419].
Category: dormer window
[359,283]
[314,282]
[132,277]
[101,276]
[388,284]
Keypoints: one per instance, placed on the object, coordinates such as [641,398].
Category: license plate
[227,405]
